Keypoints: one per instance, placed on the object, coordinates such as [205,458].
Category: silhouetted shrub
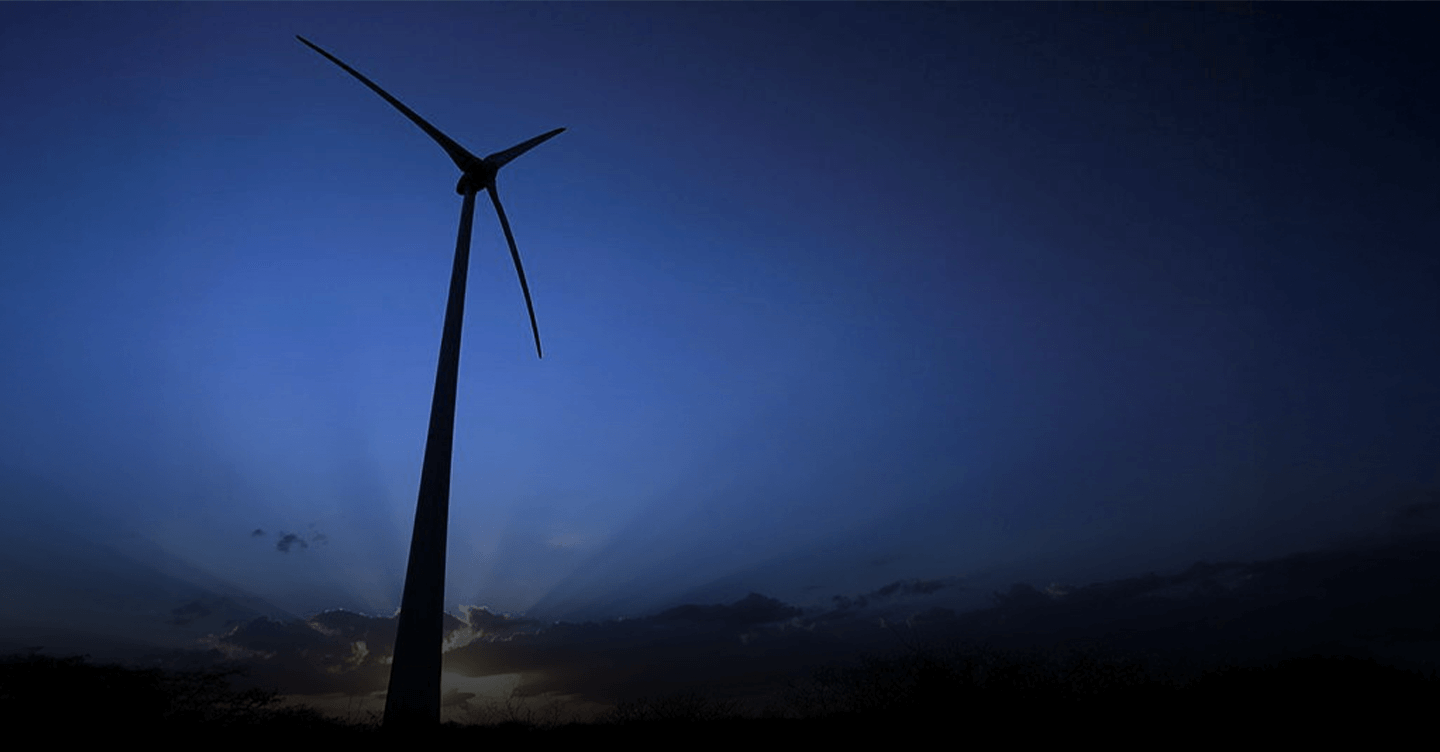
[682,707]
[517,713]
[44,691]
[933,686]
[1319,683]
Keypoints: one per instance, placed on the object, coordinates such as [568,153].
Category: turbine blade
[499,158]
[519,270]
[462,158]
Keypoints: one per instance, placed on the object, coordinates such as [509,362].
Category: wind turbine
[413,699]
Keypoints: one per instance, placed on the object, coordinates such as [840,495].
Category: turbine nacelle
[480,173]
[476,180]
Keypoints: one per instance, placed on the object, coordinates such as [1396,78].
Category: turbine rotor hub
[477,178]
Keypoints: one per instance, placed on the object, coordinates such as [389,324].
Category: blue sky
[832,295]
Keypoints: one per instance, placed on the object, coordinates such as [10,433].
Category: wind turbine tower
[413,699]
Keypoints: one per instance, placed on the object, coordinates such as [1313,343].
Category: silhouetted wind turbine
[414,695]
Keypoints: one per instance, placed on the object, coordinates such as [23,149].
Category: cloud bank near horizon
[1336,600]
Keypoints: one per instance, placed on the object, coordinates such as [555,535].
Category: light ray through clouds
[835,297]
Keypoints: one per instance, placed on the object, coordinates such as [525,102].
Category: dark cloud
[349,626]
[895,589]
[208,613]
[346,652]
[901,587]
[933,615]
[331,652]
[487,623]
[288,541]
[256,533]
[302,657]
[730,648]
[182,615]
[752,609]
[1371,602]
[1418,518]
[456,699]
[744,648]
[268,637]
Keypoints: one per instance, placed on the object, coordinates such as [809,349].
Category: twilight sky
[832,296]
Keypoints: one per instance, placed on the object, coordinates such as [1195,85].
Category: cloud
[893,590]
[288,541]
[487,623]
[751,647]
[752,609]
[331,652]
[902,587]
[456,699]
[1415,519]
[349,653]
[720,646]
[182,615]
[742,648]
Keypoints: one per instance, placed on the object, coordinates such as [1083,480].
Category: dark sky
[833,295]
